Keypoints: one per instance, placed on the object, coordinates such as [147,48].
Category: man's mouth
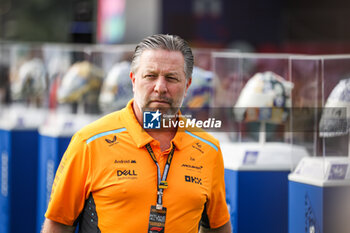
[161,102]
[156,101]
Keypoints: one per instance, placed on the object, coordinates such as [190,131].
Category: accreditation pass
[156,220]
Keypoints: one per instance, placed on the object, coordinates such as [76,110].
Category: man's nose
[160,85]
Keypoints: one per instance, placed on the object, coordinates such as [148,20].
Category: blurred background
[250,25]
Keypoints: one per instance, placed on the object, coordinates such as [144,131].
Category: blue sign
[338,172]
[250,157]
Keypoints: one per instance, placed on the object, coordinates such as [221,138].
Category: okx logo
[193,179]
[151,120]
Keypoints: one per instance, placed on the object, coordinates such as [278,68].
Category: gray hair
[166,42]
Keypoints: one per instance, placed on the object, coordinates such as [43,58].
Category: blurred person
[4,85]
[117,176]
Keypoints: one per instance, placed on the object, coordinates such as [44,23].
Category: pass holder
[163,184]
[156,223]
[159,204]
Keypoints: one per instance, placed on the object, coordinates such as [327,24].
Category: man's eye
[150,76]
[171,78]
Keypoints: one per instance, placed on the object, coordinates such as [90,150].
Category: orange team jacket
[108,181]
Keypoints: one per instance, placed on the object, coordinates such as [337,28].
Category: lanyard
[161,181]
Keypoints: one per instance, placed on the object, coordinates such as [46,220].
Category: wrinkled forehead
[171,61]
[163,54]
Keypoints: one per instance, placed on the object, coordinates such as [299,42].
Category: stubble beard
[169,110]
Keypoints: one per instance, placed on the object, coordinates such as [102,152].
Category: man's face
[159,81]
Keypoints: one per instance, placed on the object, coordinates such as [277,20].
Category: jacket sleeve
[216,212]
[72,183]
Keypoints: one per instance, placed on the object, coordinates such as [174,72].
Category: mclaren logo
[193,179]
[192,166]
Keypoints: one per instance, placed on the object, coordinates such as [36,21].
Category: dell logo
[126,173]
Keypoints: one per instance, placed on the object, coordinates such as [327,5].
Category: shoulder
[193,132]
[203,136]
[107,123]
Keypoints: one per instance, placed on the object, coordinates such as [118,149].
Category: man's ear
[132,77]
[188,83]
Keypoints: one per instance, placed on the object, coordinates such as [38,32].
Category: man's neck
[164,138]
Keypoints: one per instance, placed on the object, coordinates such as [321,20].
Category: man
[118,177]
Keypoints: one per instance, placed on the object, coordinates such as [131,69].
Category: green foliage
[39,20]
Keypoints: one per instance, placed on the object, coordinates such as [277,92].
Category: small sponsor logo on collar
[112,141]
[198,147]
